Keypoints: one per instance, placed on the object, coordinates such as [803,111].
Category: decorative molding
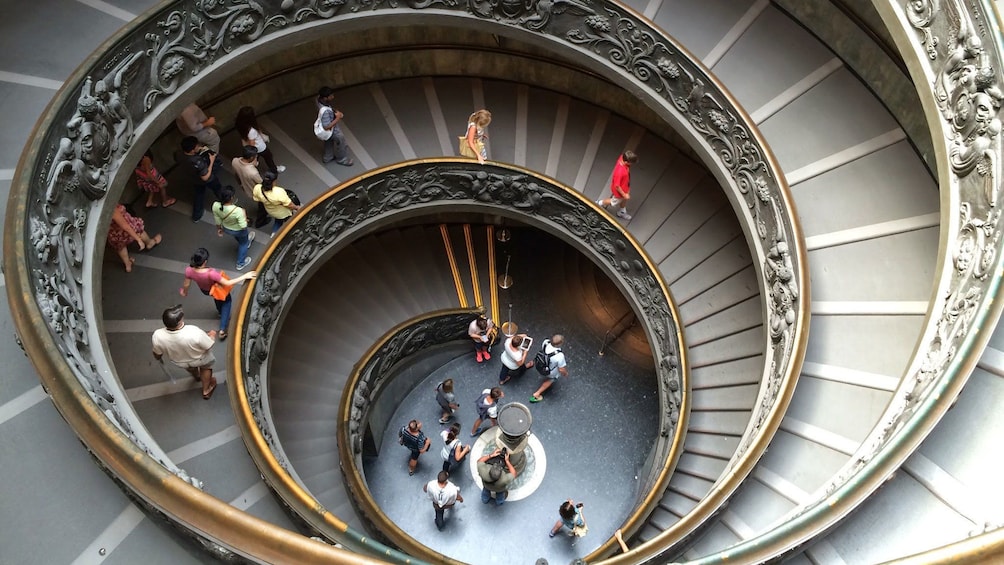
[75,158]
[380,195]
[966,87]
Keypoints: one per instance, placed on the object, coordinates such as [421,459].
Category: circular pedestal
[534,463]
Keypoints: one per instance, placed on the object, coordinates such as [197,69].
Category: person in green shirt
[233,220]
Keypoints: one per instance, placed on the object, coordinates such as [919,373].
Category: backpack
[319,131]
[482,403]
[542,361]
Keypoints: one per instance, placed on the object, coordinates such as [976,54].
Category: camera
[503,452]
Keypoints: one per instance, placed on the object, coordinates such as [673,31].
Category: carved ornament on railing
[966,84]
[91,131]
[958,47]
[378,196]
[403,343]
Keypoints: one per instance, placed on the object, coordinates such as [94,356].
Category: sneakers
[251,235]
[244,263]
[346,162]
[444,420]
[280,169]
[622,213]
[480,356]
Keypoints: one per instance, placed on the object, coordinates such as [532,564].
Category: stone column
[514,421]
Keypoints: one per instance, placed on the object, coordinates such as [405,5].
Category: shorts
[205,362]
[414,455]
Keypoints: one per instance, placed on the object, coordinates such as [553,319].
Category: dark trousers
[199,205]
[506,373]
[441,514]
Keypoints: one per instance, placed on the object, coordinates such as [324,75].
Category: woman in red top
[205,277]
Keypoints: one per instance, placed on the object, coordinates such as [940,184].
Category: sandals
[128,267]
[169,203]
[535,400]
[155,242]
[209,393]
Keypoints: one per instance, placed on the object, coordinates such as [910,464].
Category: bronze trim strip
[454,269]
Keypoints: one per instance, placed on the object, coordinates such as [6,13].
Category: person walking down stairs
[620,185]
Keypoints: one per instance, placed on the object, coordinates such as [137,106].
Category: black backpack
[542,361]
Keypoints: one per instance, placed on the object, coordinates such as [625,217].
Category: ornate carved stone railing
[953,49]
[406,190]
[124,95]
[370,377]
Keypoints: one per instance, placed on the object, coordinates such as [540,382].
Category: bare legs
[148,243]
[205,375]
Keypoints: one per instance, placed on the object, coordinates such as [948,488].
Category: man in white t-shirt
[514,357]
[556,364]
[443,495]
[187,347]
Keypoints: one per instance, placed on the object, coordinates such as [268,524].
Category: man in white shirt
[556,365]
[187,347]
[443,495]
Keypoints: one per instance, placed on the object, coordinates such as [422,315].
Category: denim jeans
[277,224]
[243,243]
[486,497]
[223,307]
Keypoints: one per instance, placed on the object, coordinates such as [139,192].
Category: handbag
[580,530]
[465,148]
[221,291]
[292,196]
[319,131]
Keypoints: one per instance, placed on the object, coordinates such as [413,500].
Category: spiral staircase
[874,228]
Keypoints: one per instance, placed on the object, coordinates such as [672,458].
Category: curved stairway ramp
[870,215]
[350,302]
[99,516]
[684,222]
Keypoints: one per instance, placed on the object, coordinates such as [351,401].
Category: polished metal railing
[127,92]
[382,197]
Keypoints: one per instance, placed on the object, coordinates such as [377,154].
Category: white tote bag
[319,131]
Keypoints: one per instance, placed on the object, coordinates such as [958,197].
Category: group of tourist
[200,165]
[495,469]
[189,347]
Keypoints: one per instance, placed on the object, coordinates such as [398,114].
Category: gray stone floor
[596,427]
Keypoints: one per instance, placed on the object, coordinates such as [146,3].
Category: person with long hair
[152,182]
[252,134]
[570,516]
[276,200]
[204,277]
[125,229]
[454,452]
[477,134]
[233,220]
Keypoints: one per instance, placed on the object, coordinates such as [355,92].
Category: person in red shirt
[620,185]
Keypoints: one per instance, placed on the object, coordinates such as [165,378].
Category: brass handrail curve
[406,189]
[132,85]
